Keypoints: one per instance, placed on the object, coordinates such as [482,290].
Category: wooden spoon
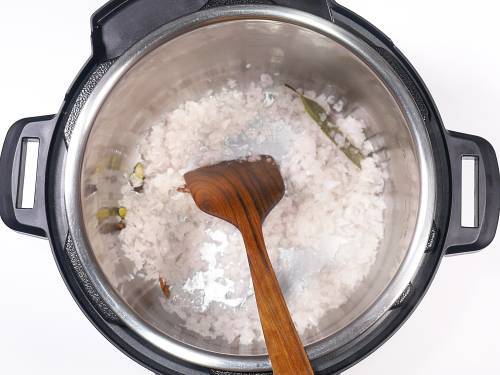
[243,192]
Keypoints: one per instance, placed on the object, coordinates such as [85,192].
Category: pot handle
[461,239]
[33,220]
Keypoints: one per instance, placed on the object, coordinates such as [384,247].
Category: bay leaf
[325,122]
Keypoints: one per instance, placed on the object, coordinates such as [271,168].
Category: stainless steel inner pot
[184,59]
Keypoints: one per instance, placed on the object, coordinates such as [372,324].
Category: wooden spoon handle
[287,354]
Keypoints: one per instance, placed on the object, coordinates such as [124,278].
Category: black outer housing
[115,28]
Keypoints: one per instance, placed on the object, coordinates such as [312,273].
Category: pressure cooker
[155,54]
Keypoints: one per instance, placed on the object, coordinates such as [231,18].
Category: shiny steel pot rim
[72,175]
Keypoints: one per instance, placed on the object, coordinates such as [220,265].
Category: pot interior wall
[185,68]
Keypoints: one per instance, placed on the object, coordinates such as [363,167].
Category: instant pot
[151,55]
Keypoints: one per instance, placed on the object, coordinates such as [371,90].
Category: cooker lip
[189,23]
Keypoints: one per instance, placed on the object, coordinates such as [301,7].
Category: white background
[453,44]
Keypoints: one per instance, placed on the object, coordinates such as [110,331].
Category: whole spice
[122,212]
[183,189]
[137,177]
[108,228]
[90,189]
[165,287]
[327,125]
[106,213]
[103,214]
